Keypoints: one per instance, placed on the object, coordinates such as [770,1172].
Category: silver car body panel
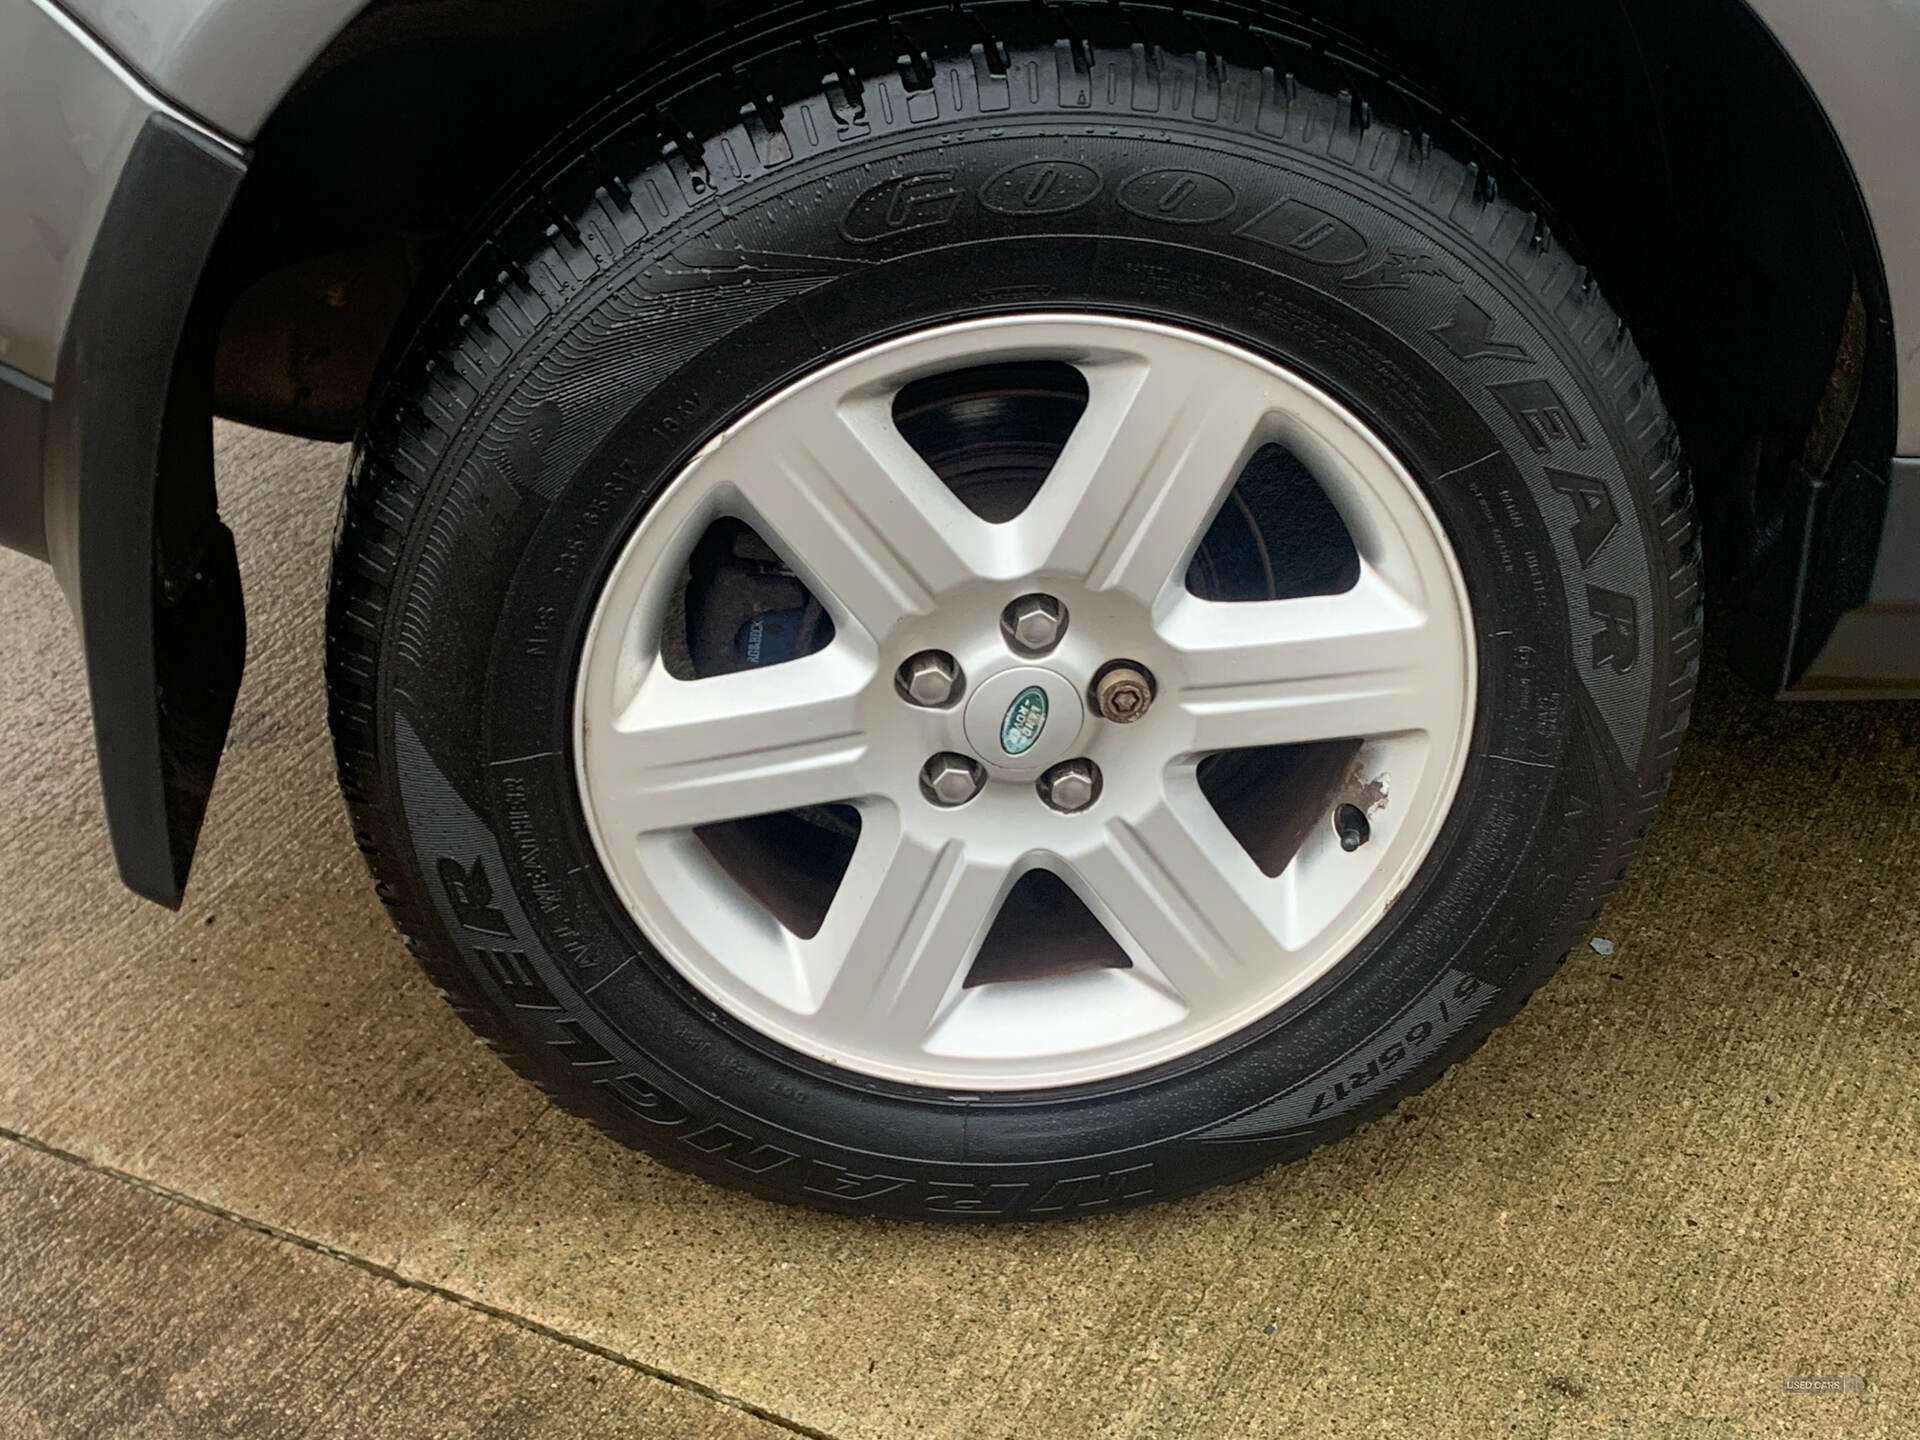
[70,111]
[229,61]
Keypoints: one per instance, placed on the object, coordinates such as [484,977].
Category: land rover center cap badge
[1021,720]
[1026,717]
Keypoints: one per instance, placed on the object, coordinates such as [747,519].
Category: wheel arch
[1685,155]
[1688,159]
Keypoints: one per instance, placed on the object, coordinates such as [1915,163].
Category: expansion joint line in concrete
[406,1282]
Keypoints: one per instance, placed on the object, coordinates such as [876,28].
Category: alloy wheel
[1012,722]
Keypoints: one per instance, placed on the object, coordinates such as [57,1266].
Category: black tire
[746,230]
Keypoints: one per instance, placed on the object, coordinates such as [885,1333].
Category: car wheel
[1046,622]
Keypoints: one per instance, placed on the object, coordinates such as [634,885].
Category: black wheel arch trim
[128,502]
[24,403]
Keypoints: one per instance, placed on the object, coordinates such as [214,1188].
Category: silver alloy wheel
[903,567]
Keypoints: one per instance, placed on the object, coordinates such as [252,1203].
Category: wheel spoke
[860,515]
[1175,884]
[685,753]
[1330,667]
[905,923]
[1161,444]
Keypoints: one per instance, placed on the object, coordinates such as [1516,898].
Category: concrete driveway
[257,1180]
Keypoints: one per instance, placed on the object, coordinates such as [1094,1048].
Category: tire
[702,245]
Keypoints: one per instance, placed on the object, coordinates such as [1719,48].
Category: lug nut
[1123,692]
[1071,786]
[1033,624]
[951,780]
[931,678]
